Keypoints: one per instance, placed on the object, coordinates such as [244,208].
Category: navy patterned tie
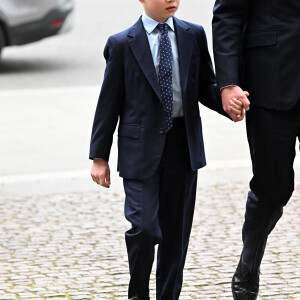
[165,74]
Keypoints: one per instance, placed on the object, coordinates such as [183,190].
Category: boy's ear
[142,1]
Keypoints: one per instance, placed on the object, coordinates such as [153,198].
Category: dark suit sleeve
[228,24]
[109,102]
[210,95]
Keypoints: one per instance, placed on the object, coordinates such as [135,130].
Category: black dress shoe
[244,284]
[136,298]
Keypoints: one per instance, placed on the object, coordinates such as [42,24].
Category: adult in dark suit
[158,163]
[256,47]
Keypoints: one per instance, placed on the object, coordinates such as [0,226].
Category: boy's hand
[228,94]
[100,172]
[237,108]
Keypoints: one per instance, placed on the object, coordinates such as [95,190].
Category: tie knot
[163,28]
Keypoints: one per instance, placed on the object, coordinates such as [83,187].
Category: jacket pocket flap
[259,39]
[132,131]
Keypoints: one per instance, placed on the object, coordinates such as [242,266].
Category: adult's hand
[228,94]
[100,172]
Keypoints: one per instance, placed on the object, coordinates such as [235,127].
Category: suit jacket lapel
[140,47]
[185,48]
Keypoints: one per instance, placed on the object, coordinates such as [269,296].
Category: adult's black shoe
[245,284]
[136,298]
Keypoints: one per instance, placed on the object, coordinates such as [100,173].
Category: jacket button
[161,131]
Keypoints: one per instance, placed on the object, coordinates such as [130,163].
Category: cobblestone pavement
[72,246]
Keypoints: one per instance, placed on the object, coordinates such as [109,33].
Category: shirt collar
[150,24]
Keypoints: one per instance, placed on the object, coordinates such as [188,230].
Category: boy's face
[160,10]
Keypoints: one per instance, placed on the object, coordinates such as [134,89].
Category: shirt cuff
[223,87]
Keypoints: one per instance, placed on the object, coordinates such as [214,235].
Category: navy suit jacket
[130,93]
[257,46]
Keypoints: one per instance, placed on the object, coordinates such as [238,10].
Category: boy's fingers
[105,179]
[108,177]
[238,116]
[99,179]
[236,111]
[102,181]
[234,117]
[236,104]
[241,115]
[106,184]
[94,178]
[100,172]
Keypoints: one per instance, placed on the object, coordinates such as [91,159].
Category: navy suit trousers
[272,136]
[160,209]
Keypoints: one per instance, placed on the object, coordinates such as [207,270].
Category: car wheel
[2,39]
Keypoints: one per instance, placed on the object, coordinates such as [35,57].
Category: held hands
[235,102]
[100,172]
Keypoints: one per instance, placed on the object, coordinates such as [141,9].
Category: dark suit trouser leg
[272,137]
[141,209]
[177,201]
[160,209]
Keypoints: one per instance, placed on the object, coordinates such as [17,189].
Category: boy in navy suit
[156,72]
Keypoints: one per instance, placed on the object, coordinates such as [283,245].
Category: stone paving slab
[71,246]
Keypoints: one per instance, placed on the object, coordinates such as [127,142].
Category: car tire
[2,39]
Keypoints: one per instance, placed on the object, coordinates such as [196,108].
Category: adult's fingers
[245,102]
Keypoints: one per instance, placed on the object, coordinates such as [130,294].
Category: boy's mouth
[171,8]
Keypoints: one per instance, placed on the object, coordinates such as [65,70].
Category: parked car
[23,22]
